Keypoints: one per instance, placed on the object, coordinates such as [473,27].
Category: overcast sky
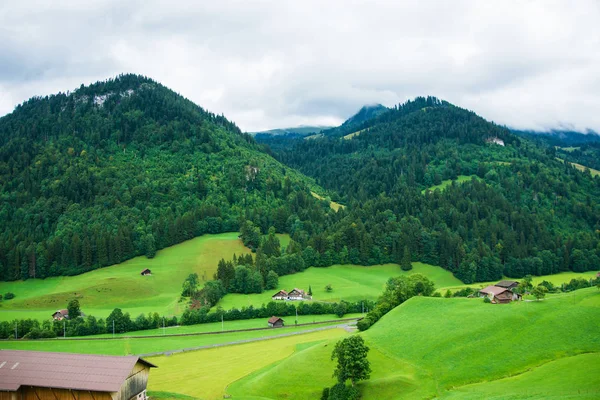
[269,64]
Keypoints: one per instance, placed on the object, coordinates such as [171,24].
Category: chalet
[36,375]
[507,284]
[146,272]
[275,322]
[59,315]
[499,294]
[296,294]
[281,295]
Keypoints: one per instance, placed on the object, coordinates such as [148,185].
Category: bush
[364,324]
[486,300]
[9,296]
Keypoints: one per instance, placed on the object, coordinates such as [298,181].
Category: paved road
[349,327]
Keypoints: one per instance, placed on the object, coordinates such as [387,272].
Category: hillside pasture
[121,285]
[448,182]
[435,347]
[206,374]
[349,282]
[332,204]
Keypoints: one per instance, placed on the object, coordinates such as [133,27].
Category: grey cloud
[269,64]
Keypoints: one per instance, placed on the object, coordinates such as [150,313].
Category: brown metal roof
[272,320]
[506,284]
[495,290]
[65,370]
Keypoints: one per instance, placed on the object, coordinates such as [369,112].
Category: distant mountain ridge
[561,137]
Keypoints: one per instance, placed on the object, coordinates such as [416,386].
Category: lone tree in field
[539,292]
[352,362]
[405,263]
[73,309]
[310,289]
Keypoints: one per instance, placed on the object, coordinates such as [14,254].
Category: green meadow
[121,285]
[448,182]
[437,348]
[126,346]
[349,282]
[206,374]
[332,204]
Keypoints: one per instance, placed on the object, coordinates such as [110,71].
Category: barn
[499,294]
[281,295]
[275,322]
[36,375]
[146,272]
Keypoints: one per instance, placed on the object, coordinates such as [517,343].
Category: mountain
[124,167]
[355,122]
[561,137]
[436,183]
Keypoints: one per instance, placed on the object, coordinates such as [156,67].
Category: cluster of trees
[202,315]
[124,168]
[397,291]
[523,213]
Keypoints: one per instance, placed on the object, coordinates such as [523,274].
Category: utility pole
[296,315]
[163,325]
[222,325]
[113,328]
[64,329]
[16,330]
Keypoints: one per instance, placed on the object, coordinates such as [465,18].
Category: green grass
[207,373]
[332,204]
[570,377]
[351,135]
[568,149]
[432,347]
[229,325]
[121,285]
[582,168]
[556,279]
[127,346]
[448,182]
[349,282]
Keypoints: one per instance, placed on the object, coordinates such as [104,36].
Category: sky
[272,64]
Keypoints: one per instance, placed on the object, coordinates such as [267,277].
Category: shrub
[9,296]
[486,300]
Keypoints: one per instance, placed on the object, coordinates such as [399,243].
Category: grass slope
[121,285]
[349,282]
[332,204]
[567,378]
[206,374]
[448,182]
[430,346]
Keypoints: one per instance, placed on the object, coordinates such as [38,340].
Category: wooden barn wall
[135,383]
[37,393]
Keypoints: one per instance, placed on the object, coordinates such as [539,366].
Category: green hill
[434,347]
[123,168]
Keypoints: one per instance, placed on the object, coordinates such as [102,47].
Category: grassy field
[448,182]
[351,135]
[121,285]
[229,325]
[349,282]
[127,346]
[556,279]
[561,379]
[435,347]
[332,204]
[206,374]
[582,168]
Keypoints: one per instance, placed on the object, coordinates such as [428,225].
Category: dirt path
[348,327]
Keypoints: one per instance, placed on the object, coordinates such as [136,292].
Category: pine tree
[406,264]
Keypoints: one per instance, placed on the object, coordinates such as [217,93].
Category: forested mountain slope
[124,167]
[523,213]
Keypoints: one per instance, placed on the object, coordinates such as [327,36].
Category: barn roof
[506,284]
[280,292]
[63,312]
[272,320]
[495,290]
[65,370]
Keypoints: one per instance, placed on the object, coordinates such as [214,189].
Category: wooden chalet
[296,294]
[281,295]
[275,322]
[507,284]
[36,375]
[59,315]
[499,295]
[146,272]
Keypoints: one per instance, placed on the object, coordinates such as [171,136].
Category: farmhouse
[59,315]
[498,294]
[507,284]
[496,140]
[146,272]
[36,375]
[281,295]
[275,322]
[296,294]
